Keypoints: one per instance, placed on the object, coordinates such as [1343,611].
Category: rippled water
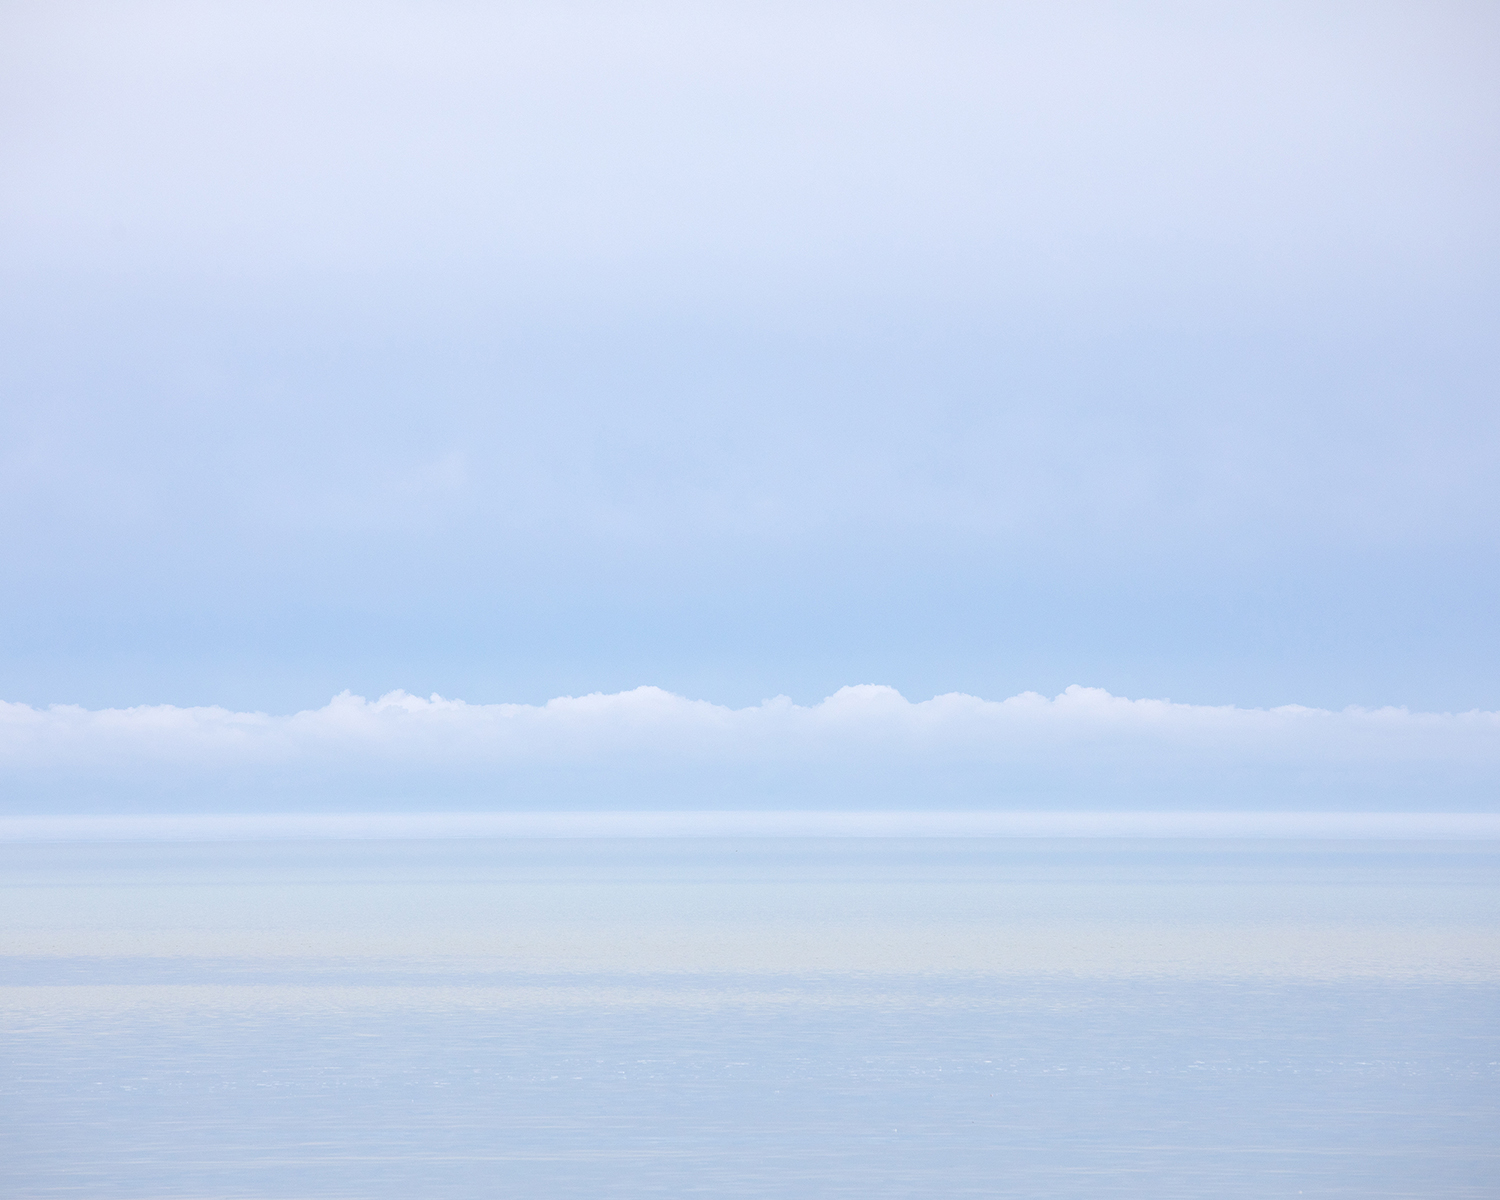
[750,1018]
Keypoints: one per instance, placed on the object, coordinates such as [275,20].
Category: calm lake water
[749,1017]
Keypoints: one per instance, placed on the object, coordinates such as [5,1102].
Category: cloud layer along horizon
[863,747]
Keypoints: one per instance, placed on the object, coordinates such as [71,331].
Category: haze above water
[801,1017]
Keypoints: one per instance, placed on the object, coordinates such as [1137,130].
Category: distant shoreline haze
[865,748]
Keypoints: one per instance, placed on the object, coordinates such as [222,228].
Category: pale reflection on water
[752,1018]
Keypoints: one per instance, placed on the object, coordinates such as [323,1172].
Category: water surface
[750,1017]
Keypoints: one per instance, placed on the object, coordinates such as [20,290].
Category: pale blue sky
[749,349]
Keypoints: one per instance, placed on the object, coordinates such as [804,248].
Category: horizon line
[787,823]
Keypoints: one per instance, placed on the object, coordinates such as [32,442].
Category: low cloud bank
[863,748]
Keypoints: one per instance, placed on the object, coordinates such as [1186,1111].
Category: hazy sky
[513,352]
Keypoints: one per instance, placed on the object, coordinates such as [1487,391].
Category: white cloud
[863,747]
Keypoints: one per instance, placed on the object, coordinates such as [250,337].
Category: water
[750,1018]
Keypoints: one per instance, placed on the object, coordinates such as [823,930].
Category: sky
[749,350]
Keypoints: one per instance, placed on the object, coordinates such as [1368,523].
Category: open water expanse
[750,1017]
